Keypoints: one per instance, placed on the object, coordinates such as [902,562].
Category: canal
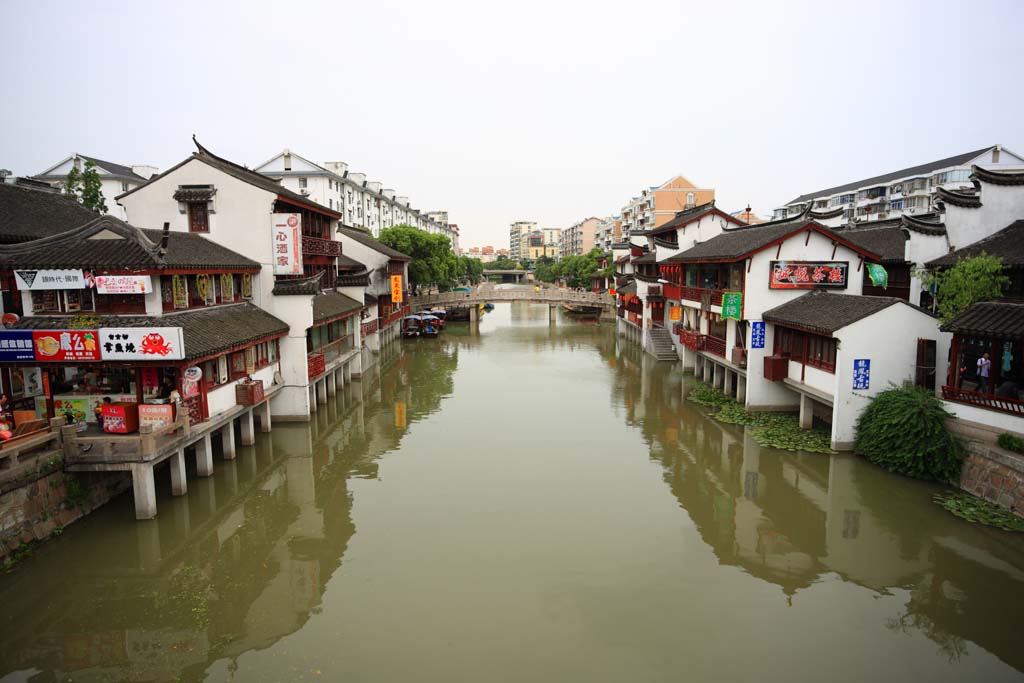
[521,502]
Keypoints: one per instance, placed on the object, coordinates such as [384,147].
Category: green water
[524,502]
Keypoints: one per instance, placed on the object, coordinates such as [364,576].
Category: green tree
[979,278]
[86,187]
[471,268]
[544,269]
[433,261]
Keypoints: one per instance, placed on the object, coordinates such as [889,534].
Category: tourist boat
[581,310]
[440,313]
[411,326]
[430,325]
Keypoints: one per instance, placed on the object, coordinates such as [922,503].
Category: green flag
[879,277]
[732,305]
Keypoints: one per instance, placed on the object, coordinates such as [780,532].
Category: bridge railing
[489,294]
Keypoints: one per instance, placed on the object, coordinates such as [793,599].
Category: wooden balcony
[316,246]
[316,364]
[983,400]
[698,294]
[714,345]
[691,340]
[673,292]
[370,326]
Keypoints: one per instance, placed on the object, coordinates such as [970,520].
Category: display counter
[83,404]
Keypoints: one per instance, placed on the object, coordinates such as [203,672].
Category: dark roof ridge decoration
[298,286]
[825,312]
[922,226]
[361,279]
[239,172]
[687,216]
[1007,244]
[830,213]
[997,177]
[1001,319]
[108,243]
[207,331]
[194,193]
[885,178]
[368,240]
[739,243]
[964,200]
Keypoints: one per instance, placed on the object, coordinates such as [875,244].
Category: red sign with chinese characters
[58,345]
[808,274]
[286,243]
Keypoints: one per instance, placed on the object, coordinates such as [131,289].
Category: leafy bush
[904,430]
[1011,442]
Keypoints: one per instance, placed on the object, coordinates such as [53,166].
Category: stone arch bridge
[485,294]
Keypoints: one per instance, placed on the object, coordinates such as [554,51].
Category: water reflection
[564,514]
[797,519]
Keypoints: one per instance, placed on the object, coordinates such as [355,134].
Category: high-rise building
[517,242]
[659,204]
[580,238]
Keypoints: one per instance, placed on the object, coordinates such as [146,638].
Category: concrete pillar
[730,390]
[321,390]
[265,416]
[143,490]
[806,411]
[339,378]
[717,376]
[552,312]
[248,429]
[312,397]
[179,484]
[707,368]
[348,371]
[741,389]
[227,440]
[474,313]
[332,383]
[204,457]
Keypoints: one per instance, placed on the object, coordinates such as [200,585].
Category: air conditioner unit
[911,210]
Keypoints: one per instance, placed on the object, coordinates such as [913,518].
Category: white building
[116,179]
[312,290]
[518,245]
[362,203]
[908,191]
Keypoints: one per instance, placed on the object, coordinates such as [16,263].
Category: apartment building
[517,239]
[362,203]
[609,231]
[658,204]
[115,179]
[580,238]
[908,191]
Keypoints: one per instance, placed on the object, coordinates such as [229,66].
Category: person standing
[984,367]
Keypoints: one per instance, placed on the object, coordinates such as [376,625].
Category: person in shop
[166,388]
[98,410]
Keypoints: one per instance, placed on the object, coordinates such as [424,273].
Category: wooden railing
[691,340]
[714,345]
[336,348]
[698,294]
[370,326]
[982,400]
[317,246]
[316,364]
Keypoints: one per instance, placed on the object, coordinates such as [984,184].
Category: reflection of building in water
[794,519]
[233,568]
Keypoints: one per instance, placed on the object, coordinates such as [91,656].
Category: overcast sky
[543,111]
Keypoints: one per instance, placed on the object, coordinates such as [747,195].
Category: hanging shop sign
[808,274]
[124,284]
[16,345]
[37,280]
[190,381]
[879,275]
[862,373]
[396,289]
[66,345]
[732,305]
[141,343]
[286,238]
[675,313]
[757,335]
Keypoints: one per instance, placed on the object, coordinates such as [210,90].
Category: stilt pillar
[143,490]
[179,485]
[248,429]
[227,440]
[204,457]
[332,383]
[264,409]
[806,411]
[321,391]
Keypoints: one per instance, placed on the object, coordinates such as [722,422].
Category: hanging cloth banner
[732,305]
[879,276]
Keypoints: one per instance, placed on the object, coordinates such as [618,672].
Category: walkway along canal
[525,499]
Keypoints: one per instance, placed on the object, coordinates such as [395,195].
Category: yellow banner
[400,415]
[396,289]
[675,313]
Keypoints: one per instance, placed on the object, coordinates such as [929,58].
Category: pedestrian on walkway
[984,366]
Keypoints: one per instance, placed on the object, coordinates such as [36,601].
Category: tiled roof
[107,243]
[923,169]
[206,331]
[368,240]
[307,286]
[1007,244]
[346,263]
[629,288]
[28,214]
[965,200]
[990,318]
[114,169]
[994,177]
[888,242]
[649,257]
[352,279]
[194,193]
[333,305]
[825,312]
[242,173]
[737,243]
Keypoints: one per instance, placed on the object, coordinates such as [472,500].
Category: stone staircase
[659,344]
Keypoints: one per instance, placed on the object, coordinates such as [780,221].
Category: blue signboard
[861,373]
[16,345]
[757,335]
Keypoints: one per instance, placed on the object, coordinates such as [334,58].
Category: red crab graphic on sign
[154,345]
